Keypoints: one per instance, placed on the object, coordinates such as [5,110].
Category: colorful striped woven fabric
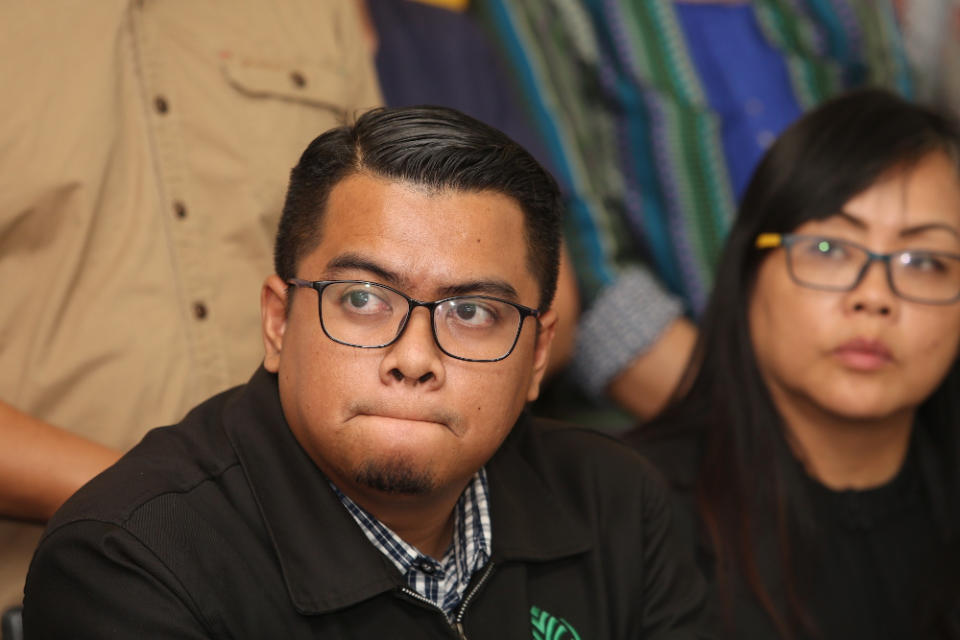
[617,98]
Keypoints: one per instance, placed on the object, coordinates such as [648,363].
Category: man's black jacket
[222,527]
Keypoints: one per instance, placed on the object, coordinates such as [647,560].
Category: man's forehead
[407,235]
[361,201]
[358,186]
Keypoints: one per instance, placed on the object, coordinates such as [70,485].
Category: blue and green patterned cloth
[637,137]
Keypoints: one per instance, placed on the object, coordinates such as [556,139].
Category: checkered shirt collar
[443,582]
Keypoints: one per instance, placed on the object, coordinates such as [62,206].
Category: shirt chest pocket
[308,83]
[273,108]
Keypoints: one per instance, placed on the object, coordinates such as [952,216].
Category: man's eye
[363,301]
[474,314]
[358,299]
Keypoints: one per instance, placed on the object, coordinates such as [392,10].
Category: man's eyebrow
[496,288]
[492,287]
[358,262]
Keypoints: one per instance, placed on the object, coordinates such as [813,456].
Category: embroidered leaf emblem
[548,627]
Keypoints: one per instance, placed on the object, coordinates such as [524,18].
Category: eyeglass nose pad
[404,322]
[863,271]
[413,305]
[880,305]
[871,258]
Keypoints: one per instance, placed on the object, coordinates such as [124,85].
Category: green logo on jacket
[549,627]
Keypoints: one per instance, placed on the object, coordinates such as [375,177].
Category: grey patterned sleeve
[625,319]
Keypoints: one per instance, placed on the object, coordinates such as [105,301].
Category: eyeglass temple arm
[768,241]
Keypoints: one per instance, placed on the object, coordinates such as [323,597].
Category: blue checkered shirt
[443,582]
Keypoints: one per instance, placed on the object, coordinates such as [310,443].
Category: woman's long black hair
[746,481]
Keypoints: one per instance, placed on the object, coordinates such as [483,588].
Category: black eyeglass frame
[787,240]
[413,303]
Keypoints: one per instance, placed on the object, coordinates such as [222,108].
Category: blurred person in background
[656,113]
[435,52]
[146,147]
[814,454]
[931,32]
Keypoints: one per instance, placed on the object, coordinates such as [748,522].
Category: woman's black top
[875,563]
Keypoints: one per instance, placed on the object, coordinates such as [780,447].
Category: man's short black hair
[433,147]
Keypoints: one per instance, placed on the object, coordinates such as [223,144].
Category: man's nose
[415,358]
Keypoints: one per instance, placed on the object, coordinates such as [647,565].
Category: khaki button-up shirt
[145,148]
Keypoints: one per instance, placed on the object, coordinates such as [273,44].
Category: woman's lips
[863,354]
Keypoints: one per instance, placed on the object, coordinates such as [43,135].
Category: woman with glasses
[814,445]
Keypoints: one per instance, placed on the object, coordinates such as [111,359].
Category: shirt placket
[183,221]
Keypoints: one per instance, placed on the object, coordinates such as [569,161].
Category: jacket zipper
[467,598]
[457,623]
[433,605]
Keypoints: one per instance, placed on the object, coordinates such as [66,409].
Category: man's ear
[273,320]
[541,353]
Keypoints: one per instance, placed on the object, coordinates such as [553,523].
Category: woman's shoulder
[676,453]
[674,450]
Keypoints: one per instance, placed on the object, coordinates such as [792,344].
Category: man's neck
[424,522]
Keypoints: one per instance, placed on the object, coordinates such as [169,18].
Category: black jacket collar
[326,561]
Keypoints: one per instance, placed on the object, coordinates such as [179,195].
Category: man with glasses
[377,477]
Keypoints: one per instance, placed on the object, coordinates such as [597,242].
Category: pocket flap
[304,81]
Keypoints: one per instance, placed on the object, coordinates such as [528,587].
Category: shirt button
[754,107]
[298,79]
[180,209]
[199,310]
[161,104]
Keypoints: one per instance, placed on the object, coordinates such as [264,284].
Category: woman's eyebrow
[852,219]
[904,233]
[932,226]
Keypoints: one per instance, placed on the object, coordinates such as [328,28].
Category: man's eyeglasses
[368,315]
[825,263]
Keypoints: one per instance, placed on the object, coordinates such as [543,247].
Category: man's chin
[395,477]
